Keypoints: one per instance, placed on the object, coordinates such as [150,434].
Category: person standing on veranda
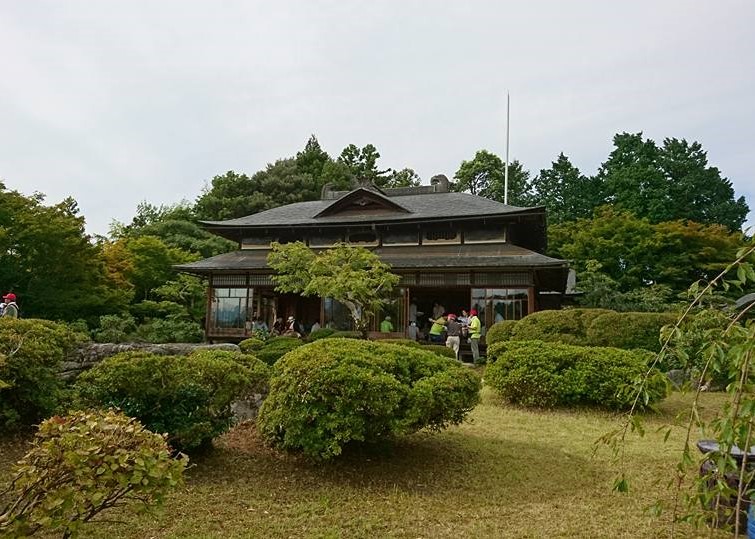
[475,332]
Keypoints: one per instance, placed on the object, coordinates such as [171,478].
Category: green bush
[500,331]
[404,342]
[434,348]
[345,335]
[115,328]
[123,328]
[83,464]
[188,397]
[567,326]
[628,330]
[540,374]
[321,333]
[687,348]
[259,372]
[277,347]
[251,345]
[31,353]
[335,391]
[169,330]
[439,349]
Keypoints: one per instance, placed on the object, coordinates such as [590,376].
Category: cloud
[114,103]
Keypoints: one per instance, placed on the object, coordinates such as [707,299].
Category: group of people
[8,308]
[443,327]
[450,328]
[291,327]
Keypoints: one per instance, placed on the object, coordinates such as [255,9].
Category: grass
[507,473]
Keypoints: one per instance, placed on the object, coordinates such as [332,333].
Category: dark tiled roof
[409,257]
[420,207]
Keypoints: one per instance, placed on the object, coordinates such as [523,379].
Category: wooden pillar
[531,300]
[208,309]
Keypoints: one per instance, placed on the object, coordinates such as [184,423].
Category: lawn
[506,473]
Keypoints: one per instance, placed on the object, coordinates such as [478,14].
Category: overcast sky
[118,102]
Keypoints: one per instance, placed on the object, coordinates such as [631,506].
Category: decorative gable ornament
[361,199]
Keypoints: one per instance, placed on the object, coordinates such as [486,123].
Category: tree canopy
[485,176]
[659,183]
[50,262]
[668,182]
[353,276]
[636,253]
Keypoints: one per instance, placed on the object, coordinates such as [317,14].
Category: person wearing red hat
[475,331]
[10,309]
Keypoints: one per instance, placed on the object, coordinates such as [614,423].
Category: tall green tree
[485,176]
[566,193]
[175,225]
[669,182]
[312,159]
[151,261]
[406,177]
[50,263]
[353,276]
[362,163]
[636,253]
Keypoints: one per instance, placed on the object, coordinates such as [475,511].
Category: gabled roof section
[362,200]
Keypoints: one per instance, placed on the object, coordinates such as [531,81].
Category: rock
[89,355]
[678,377]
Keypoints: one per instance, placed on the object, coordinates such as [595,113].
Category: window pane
[229,307]
[483,235]
[401,238]
[337,316]
[509,304]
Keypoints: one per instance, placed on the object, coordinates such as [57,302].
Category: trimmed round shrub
[345,335]
[552,326]
[251,345]
[321,333]
[31,353]
[439,349]
[83,464]
[629,330]
[187,397]
[332,392]
[276,348]
[404,342]
[259,372]
[500,331]
[540,374]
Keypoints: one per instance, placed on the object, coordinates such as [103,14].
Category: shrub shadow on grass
[422,463]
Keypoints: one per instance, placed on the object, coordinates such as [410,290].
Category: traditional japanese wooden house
[452,250]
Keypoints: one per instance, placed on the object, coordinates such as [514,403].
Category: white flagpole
[506,170]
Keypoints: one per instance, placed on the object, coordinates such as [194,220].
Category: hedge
[31,353]
[321,333]
[500,331]
[251,345]
[276,348]
[187,397]
[541,374]
[332,392]
[629,330]
[568,326]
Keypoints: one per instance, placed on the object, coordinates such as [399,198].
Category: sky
[116,102]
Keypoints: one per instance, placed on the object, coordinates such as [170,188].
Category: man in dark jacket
[453,334]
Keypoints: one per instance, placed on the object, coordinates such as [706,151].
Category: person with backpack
[10,309]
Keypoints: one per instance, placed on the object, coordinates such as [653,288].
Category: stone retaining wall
[90,354]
